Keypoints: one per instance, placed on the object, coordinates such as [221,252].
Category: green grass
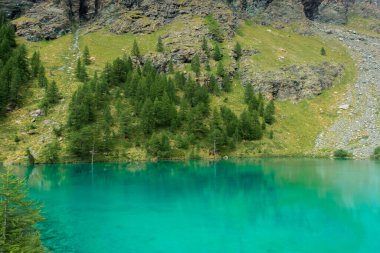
[297,124]
[362,25]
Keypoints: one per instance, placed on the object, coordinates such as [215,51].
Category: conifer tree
[323,51]
[257,126]
[214,86]
[217,53]
[51,96]
[42,80]
[196,65]
[250,126]
[18,217]
[237,51]
[251,99]
[35,64]
[135,49]
[217,136]
[160,45]
[80,71]
[226,85]
[230,120]
[269,113]
[147,117]
[86,56]
[205,46]
[15,85]
[220,69]
[159,146]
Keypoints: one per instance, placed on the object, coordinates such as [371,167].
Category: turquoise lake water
[266,205]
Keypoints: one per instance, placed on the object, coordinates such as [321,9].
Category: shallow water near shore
[263,205]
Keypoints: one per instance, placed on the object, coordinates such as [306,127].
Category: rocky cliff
[48,19]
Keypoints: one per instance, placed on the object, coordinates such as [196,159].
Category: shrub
[50,153]
[323,51]
[376,153]
[159,146]
[341,153]
[30,157]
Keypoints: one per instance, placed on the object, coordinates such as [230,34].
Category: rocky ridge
[50,19]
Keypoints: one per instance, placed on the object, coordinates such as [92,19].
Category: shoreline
[223,158]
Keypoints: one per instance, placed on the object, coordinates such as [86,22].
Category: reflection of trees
[285,193]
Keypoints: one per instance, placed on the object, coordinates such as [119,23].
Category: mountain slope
[282,60]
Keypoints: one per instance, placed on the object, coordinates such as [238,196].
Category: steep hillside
[281,59]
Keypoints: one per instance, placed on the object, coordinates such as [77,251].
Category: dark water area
[264,205]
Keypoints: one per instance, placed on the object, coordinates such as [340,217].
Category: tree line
[17,72]
[163,112]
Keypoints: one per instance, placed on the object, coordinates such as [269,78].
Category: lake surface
[266,205]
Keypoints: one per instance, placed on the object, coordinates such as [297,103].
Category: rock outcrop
[45,21]
[49,19]
[294,82]
[14,8]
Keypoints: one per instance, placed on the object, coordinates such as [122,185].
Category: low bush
[376,153]
[341,153]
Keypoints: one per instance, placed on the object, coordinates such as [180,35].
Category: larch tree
[86,56]
[18,217]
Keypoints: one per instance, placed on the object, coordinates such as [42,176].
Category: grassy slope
[297,125]
[362,25]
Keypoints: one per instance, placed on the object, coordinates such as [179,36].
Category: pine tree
[248,94]
[42,80]
[256,126]
[196,65]
[250,126]
[251,99]
[217,53]
[160,45]
[226,85]
[269,113]
[51,96]
[205,46]
[135,49]
[80,71]
[35,64]
[213,85]
[237,51]
[323,51]
[86,56]
[230,120]
[159,146]
[18,217]
[15,86]
[147,117]
[217,135]
[220,69]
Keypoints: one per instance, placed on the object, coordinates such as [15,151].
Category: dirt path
[357,128]
[72,56]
